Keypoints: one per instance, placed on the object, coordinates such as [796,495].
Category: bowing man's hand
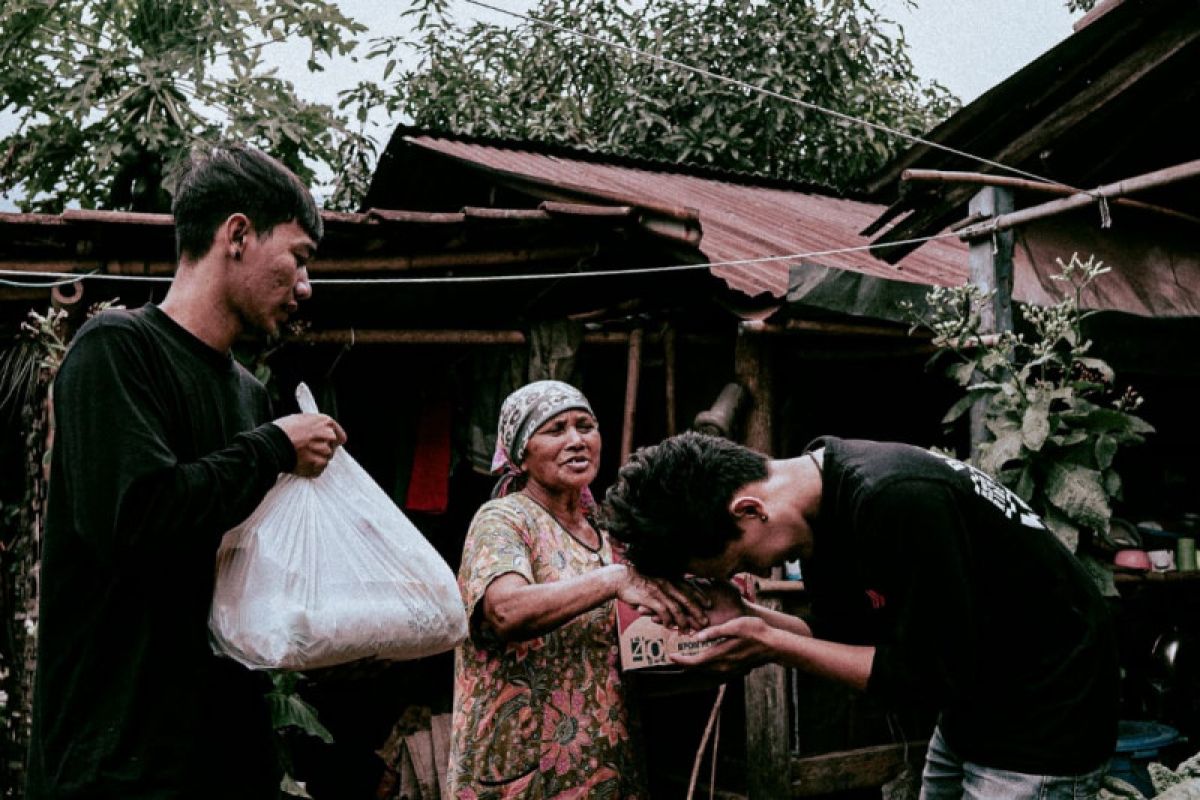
[740,644]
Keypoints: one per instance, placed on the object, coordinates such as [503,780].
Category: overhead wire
[68,277]
[847,118]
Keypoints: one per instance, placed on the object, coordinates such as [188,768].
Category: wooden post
[991,266]
[768,756]
[633,369]
[669,341]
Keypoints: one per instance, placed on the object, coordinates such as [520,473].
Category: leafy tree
[532,82]
[108,94]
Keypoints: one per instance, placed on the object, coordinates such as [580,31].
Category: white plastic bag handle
[305,398]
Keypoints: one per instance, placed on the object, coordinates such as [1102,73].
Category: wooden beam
[861,768]
[991,269]
[833,328]
[325,268]
[633,369]
[117,217]
[82,266]
[669,361]
[1006,220]
[984,179]
[765,688]
[441,336]
[467,336]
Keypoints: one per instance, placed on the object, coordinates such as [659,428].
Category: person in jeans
[929,581]
[163,442]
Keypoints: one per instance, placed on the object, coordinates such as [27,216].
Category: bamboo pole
[332,266]
[633,370]
[984,179]
[817,326]
[669,356]
[1150,180]
[441,336]
[765,688]
[469,337]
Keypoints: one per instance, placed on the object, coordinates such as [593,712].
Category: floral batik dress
[543,718]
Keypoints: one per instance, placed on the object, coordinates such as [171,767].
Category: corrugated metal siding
[739,221]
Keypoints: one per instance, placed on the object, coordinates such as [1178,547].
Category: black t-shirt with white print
[974,606]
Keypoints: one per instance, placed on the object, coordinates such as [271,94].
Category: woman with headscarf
[539,709]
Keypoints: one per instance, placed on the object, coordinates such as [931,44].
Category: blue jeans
[948,777]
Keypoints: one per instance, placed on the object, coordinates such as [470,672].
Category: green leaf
[960,407]
[1104,420]
[992,360]
[1106,448]
[1079,493]
[1101,573]
[1062,528]
[1035,426]
[1070,439]
[1112,483]
[997,453]
[291,788]
[1025,486]
[289,710]
[961,373]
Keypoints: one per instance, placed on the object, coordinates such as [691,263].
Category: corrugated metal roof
[471,240]
[376,240]
[739,221]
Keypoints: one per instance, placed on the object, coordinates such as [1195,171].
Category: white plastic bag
[328,570]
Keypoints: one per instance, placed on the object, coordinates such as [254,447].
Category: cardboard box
[647,645]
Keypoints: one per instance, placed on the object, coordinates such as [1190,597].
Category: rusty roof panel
[740,221]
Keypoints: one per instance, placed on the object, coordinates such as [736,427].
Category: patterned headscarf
[523,412]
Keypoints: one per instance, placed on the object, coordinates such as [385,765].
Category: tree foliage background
[109,94]
[529,81]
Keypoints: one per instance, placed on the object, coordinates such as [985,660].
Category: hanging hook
[1105,212]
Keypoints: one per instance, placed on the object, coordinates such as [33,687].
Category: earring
[762,517]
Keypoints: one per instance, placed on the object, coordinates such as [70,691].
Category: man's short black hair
[670,503]
[231,178]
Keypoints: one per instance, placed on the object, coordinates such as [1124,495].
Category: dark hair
[231,178]
[670,503]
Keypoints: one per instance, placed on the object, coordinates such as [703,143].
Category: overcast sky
[967,45]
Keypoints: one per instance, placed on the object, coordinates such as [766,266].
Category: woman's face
[564,454]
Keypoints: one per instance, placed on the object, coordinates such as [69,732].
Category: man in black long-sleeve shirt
[162,443]
[910,559]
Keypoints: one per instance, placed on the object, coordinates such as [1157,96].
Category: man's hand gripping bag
[328,570]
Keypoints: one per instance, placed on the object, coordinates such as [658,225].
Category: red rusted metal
[740,220]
